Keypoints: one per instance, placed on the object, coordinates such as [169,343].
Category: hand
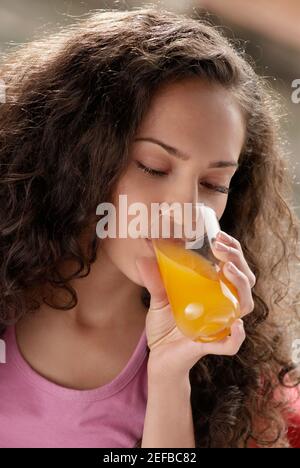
[173,354]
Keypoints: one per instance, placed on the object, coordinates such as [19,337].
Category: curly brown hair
[74,100]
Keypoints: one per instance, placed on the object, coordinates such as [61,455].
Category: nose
[187,191]
[182,193]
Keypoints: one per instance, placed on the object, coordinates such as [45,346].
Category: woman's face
[185,150]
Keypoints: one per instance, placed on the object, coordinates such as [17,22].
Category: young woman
[148,104]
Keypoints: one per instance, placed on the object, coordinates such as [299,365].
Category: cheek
[138,187]
[220,208]
[218,204]
[124,252]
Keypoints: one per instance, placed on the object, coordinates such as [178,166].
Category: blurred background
[270,29]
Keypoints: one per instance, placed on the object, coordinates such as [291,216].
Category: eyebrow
[180,155]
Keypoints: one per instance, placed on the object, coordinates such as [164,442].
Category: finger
[151,278]
[227,239]
[227,347]
[241,282]
[231,345]
[227,253]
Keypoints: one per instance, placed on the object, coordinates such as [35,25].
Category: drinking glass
[204,302]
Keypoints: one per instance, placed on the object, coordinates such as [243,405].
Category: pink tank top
[37,413]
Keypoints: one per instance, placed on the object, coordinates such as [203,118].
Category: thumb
[151,277]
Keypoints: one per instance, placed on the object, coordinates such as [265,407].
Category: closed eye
[216,188]
[208,185]
[150,171]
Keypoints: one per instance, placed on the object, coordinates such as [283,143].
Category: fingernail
[223,236]
[221,247]
[231,267]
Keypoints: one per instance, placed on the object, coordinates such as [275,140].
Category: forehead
[194,114]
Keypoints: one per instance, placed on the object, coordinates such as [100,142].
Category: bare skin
[88,346]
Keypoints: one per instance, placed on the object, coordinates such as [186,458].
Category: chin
[126,263]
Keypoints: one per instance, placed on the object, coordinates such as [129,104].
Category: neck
[98,304]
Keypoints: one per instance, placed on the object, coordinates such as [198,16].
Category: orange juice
[204,302]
